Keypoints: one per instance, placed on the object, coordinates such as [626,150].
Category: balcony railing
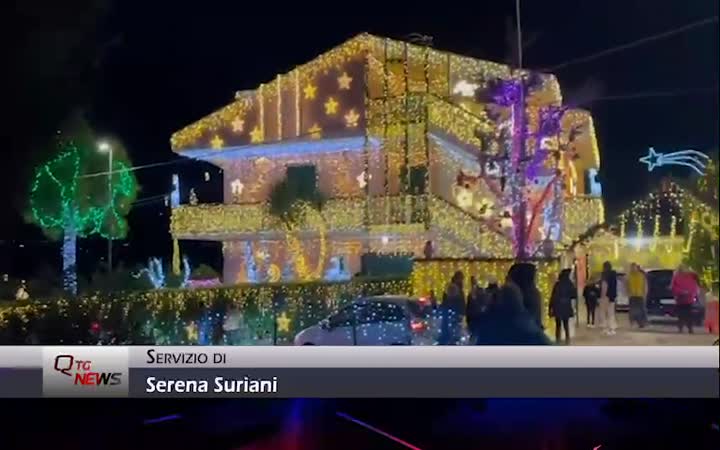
[340,214]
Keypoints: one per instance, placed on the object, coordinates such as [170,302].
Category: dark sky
[175,64]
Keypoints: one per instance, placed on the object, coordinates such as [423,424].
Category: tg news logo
[81,372]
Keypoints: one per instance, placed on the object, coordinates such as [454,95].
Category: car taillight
[418,325]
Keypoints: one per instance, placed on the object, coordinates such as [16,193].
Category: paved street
[655,334]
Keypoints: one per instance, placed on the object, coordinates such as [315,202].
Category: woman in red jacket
[685,289]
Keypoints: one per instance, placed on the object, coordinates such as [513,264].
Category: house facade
[407,156]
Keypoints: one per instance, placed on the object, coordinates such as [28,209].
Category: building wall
[338,174]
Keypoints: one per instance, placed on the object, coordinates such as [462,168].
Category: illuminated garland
[434,275]
[316,223]
[169,316]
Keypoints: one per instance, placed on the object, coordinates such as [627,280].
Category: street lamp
[105,147]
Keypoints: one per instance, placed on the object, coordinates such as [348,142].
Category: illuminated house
[409,158]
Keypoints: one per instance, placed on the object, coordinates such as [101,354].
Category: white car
[622,301]
[378,320]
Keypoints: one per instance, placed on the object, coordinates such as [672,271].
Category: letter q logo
[64,363]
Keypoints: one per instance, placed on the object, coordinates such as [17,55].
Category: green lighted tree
[69,197]
[703,249]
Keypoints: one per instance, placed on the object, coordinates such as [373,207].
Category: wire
[658,94]
[633,44]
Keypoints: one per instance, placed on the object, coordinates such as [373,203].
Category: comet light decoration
[693,159]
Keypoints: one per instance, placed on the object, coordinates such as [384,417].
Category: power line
[635,43]
[658,94]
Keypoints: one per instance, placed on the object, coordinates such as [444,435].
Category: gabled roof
[377,49]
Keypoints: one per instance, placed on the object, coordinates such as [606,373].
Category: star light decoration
[191,330]
[362,180]
[331,106]
[315,131]
[217,142]
[256,135]
[238,125]
[352,118]
[344,81]
[283,323]
[310,92]
[693,159]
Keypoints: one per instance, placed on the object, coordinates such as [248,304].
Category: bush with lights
[273,313]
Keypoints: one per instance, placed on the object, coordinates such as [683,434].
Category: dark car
[661,302]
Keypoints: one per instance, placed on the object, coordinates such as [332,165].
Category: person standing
[608,294]
[453,311]
[685,289]
[561,305]
[637,293]
[523,275]
[591,293]
[475,307]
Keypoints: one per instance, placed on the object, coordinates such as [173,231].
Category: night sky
[171,65]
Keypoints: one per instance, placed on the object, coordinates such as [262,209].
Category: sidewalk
[653,334]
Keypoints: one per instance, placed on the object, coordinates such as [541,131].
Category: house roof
[377,48]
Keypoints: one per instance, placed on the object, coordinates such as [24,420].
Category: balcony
[216,221]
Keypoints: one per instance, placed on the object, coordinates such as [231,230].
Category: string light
[184,316]
[58,206]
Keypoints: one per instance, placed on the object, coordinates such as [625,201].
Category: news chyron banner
[354,372]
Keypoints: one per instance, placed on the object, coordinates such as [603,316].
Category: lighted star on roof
[344,81]
[238,125]
[315,131]
[310,92]
[331,106]
[256,135]
[351,119]
[217,142]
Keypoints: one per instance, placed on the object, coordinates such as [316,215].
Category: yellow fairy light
[344,81]
[238,124]
[297,103]
[351,119]
[217,142]
[310,92]
[278,85]
[283,323]
[315,131]
[331,106]
[274,273]
[256,135]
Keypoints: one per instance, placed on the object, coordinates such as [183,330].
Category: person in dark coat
[523,276]
[591,293]
[561,305]
[453,311]
[507,322]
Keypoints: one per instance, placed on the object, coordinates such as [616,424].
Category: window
[381,312]
[344,317]
[302,180]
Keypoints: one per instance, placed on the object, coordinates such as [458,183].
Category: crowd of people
[497,314]
[511,313]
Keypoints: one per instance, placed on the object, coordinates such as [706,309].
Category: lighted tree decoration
[66,202]
[530,182]
[703,250]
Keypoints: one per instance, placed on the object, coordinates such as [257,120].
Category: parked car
[377,320]
[661,302]
[622,301]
